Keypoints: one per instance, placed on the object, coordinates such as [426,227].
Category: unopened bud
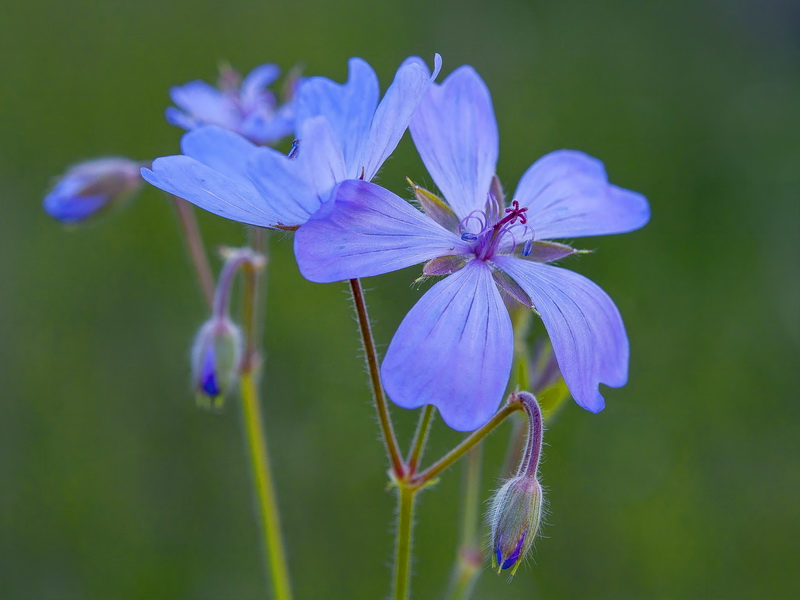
[515,516]
[91,187]
[216,355]
[516,511]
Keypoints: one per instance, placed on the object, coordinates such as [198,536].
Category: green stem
[402,560]
[254,421]
[472,501]
[390,441]
[469,559]
[476,436]
[194,247]
[262,477]
[420,436]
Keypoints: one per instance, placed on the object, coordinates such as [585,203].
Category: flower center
[497,231]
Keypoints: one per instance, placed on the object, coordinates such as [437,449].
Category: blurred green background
[114,485]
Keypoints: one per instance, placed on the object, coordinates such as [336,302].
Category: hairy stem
[420,437]
[402,560]
[390,441]
[469,559]
[476,436]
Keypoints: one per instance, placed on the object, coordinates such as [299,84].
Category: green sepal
[436,208]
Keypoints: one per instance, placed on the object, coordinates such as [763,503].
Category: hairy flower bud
[216,355]
[516,510]
[92,186]
[515,516]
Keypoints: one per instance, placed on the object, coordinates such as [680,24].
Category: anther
[527,248]
[295,150]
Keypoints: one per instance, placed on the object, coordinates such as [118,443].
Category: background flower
[245,106]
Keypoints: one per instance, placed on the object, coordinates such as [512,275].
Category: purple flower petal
[227,196]
[366,230]
[349,107]
[262,126]
[255,83]
[395,111]
[455,132]
[453,350]
[584,325]
[220,149]
[300,185]
[568,195]
[177,117]
[205,103]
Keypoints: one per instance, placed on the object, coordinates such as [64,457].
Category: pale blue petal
[395,110]
[295,188]
[349,107]
[265,127]
[220,149]
[253,86]
[568,195]
[179,118]
[231,197]
[320,155]
[453,350]
[584,325]
[366,230]
[455,132]
[205,103]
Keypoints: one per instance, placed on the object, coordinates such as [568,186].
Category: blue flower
[344,133]
[454,348]
[90,187]
[244,106]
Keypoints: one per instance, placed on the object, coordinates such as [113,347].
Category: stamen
[476,215]
[295,150]
[527,248]
[489,239]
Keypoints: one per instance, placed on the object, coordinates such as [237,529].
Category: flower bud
[92,186]
[515,516]
[516,510]
[216,355]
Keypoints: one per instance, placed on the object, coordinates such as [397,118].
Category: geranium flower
[454,348]
[244,106]
[344,133]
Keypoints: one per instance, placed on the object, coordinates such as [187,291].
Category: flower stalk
[405,522]
[265,488]
[428,475]
[371,354]
[420,437]
[253,264]
[194,247]
[469,558]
